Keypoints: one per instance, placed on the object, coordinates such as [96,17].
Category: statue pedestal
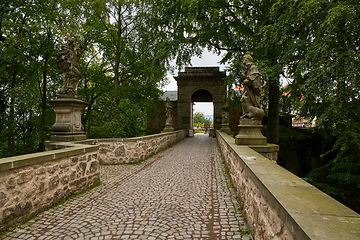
[225,128]
[68,126]
[168,128]
[250,133]
[270,150]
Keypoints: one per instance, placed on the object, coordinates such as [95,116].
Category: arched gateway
[199,84]
[195,84]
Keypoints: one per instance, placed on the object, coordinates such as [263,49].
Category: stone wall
[133,150]
[278,204]
[31,183]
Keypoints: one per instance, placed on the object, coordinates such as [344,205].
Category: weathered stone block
[82,167]
[120,151]
[73,175]
[58,195]
[54,182]
[10,183]
[52,169]
[94,165]
[42,186]
[25,208]
[40,171]
[8,213]
[25,176]
[78,182]
[3,198]
[64,179]
[30,191]
[74,161]
[64,164]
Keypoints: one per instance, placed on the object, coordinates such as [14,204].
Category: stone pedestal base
[226,129]
[168,128]
[270,150]
[68,127]
[250,133]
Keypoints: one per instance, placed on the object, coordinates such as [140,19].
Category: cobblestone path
[181,193]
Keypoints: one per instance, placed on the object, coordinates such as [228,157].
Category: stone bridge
[165,191]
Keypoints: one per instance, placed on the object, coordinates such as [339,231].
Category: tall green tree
[124,61]
[320,43]
[30,33]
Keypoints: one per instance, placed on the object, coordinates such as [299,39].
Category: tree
[124,63]
[320,41]
[199,118]
[29,35]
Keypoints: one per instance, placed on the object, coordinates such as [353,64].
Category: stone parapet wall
[280,205]
[133,150]
[33,182]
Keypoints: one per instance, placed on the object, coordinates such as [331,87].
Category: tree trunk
[273,113]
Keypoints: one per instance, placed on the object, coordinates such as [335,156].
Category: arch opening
[202,102]
[202,96]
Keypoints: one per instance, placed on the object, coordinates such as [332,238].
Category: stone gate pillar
[200,84]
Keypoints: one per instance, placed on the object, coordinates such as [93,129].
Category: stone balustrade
[134,150]
[279,205]
[33,182]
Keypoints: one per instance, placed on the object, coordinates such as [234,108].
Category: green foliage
[319,43]
[125,120]
[124,60]
[339,180]
[27,60]
[199,118]
[289,136]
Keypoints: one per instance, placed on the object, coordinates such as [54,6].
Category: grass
[244,232]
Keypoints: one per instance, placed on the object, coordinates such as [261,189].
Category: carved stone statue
[225,118]
[169,119]
[168,110]
[68,61]
[251,80]
[250,121]
[225,114]
[67,106]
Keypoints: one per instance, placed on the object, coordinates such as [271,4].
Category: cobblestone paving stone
[181,193]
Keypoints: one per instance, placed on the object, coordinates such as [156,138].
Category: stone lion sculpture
[249,110]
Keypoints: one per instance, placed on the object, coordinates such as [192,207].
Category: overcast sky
[208,59]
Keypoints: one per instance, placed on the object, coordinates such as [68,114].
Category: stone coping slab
[265,148]
[308,212]
[133,139]
[64,149]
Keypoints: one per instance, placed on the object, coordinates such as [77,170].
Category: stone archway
[202,95]
[199,84]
